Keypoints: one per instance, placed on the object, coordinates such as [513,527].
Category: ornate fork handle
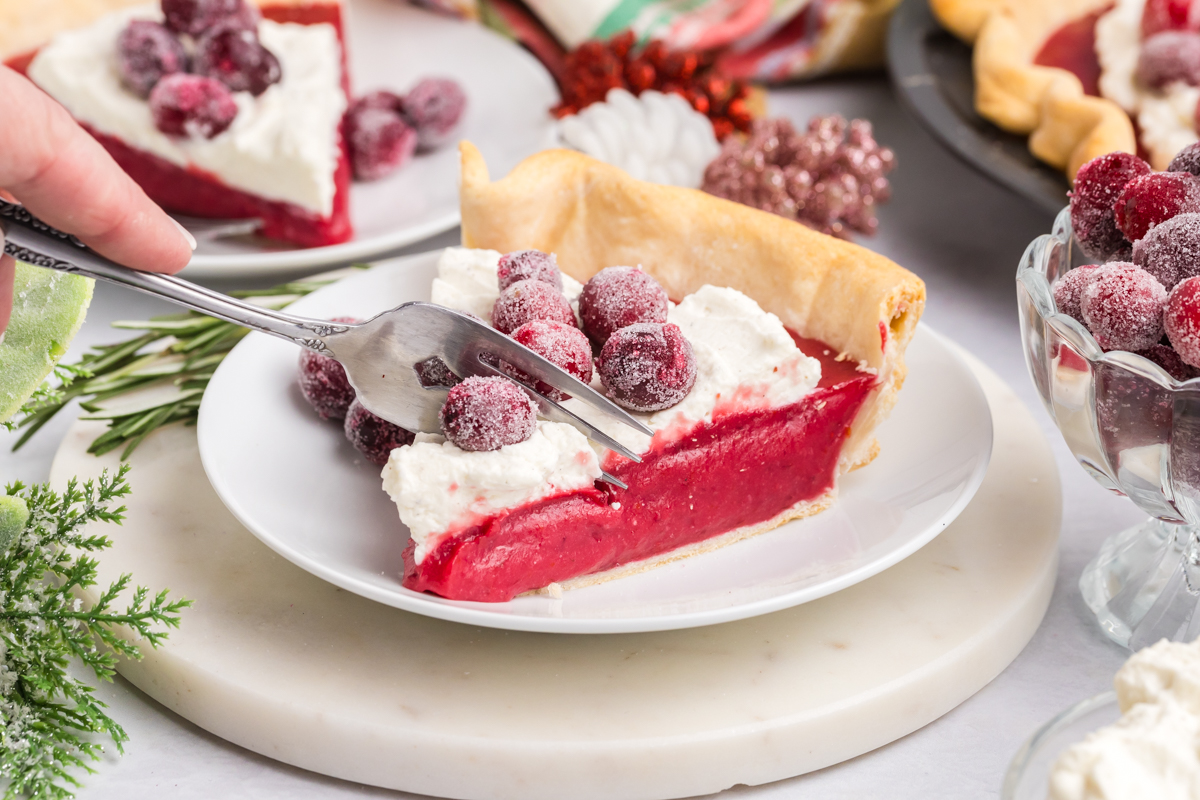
[28,239]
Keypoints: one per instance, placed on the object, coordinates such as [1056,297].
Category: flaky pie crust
[593,215]
[1066,127]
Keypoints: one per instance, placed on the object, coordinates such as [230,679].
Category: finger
[8,273]
[63,175]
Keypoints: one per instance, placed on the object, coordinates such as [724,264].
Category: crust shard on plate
[593,215]
[1066,127]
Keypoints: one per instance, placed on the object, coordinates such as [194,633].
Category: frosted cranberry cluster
[1145,226]
[644,362]
[384,129]
[189,65]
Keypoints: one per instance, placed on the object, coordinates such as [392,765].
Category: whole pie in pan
[798,342]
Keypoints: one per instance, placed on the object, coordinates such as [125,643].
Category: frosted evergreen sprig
[49,719]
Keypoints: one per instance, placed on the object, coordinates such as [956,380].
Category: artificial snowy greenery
[48,719]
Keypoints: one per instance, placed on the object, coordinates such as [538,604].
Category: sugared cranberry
[324,384]
[529,265]
[1170,361]
[146,51]
[1186,160]
[373,436]
[1150,199]
[647,366]
[379,140]
[1168,57]
[562,345]
[434,106]
[232,54]
[1171,251]
[194,17]
[487,414]
[619,296]
[1182,320]
[527,300]
[1097,185]
[1068,288]
[191,105]
[1123,307]
[381,98]
[1168,15]
[435,372]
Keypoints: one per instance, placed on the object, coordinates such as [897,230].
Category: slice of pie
[282,158]
[798,342]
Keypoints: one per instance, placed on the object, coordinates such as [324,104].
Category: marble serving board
[284,664]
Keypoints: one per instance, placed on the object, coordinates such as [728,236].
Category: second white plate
[391,46]
[298,485]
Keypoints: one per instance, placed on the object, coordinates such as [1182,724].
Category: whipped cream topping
[1153,751]
[283,145]
[1166,118]
[467,282]
[654,136]
[745,359]
[440,489]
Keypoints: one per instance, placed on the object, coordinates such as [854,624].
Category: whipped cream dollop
[283,145]
[1166,118]
[467,281]
[654,137]
[440,489]
[1153,751]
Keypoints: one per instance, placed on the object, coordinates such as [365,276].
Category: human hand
[63,175]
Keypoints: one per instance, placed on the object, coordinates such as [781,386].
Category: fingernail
[191,240]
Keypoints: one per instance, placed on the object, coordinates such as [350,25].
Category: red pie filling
[743,469]
[1073,48]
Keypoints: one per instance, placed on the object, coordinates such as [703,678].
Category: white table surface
[963,235]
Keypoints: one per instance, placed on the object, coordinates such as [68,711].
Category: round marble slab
[294,668]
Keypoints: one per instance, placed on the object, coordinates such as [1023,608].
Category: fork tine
[556,413]
[614,480]
[530,362]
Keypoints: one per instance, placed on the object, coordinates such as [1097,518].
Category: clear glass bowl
[1136,430]
[1028,776]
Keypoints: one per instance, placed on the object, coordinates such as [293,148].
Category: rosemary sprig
[155,378]
[48,718]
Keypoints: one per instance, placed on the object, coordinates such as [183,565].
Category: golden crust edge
[823,288]
[805,508]
[1066,127]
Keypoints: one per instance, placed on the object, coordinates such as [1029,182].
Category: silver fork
[379,355]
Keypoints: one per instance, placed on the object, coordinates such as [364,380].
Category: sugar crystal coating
[487,414]
[1068,288]
[619,296]
[146,51]
[434,107]
[1122,306]
[529,264]
[1168,57]
[1151,199]
[1186,160]
[232,54]
[1170,361]
[1097,185]
[1182,320]
[378,138]
[1171,250]
[324,384]
[191,105]
[194,17]
[528,300]
[647,366]
[373,436]
[562,345]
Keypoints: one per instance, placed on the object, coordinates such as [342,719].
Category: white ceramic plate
[391,46]
[297,484]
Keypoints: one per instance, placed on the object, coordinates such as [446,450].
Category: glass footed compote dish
[1136,430]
